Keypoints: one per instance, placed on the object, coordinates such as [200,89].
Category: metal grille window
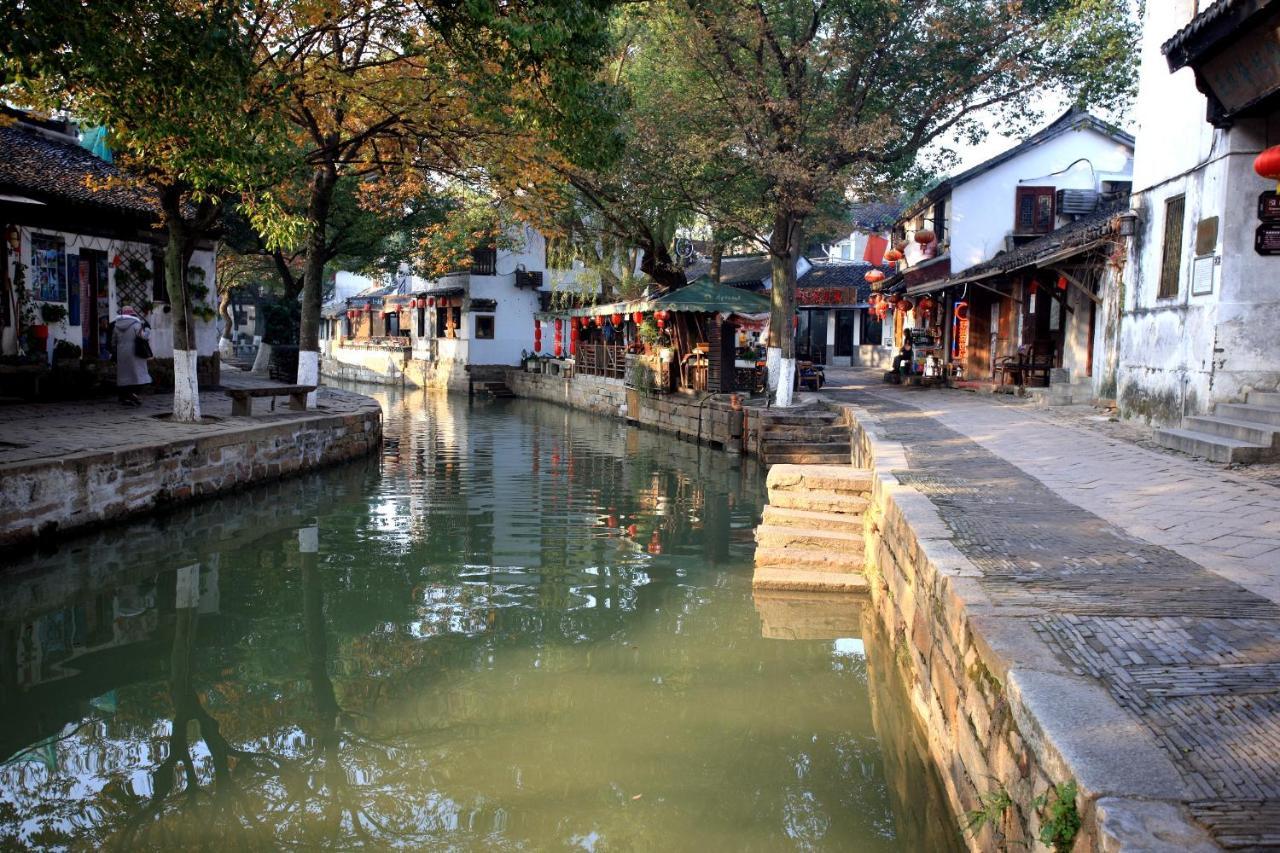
[1171,266]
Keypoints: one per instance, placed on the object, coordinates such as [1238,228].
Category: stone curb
[1131,795]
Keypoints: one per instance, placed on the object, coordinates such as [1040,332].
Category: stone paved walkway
[32,431]
[1156,575]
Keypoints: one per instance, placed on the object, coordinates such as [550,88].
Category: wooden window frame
[1035,193]
[1175,216]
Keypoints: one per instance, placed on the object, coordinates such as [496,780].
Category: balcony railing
[484,261]
[607,360]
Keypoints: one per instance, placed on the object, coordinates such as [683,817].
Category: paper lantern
[925,305]
[599,320]
[1033,288]
[431,302]
[1062,282]
[638,318]
[558,326]
[1267,165]
[617,321]
[874,276]
[925,236]
[893,256]
[905,305]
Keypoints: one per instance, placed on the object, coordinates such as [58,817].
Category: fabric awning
[704,295]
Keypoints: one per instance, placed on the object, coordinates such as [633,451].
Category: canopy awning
[704,295]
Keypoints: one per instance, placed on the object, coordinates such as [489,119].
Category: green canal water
[520,628]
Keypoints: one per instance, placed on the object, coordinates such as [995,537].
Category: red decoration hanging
[925,236]
[617,320]
[1062,282]
[558,327]
[599,321]
[1267,165]
[893,256]
[874,276]
[1033,288]
[637,317]
[431,302]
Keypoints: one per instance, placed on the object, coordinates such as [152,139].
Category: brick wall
[85,489]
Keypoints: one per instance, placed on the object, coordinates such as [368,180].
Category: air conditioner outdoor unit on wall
[1077,202]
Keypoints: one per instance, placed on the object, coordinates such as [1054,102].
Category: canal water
[520,628]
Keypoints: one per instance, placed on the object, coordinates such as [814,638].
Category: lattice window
[133,278]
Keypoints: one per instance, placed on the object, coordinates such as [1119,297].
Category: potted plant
[66,354]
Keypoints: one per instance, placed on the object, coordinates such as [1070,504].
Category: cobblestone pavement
[31,431]
[1097,540]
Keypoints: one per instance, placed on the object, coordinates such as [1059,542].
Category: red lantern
[1267,165]
[1033,288]
[637,317]
[893,256]
[925,305]
[617,321]
[431,302]
[573,342]
[1062,282]
[599,320]
[905,305]
[874,276]
[925,236]
[558,327]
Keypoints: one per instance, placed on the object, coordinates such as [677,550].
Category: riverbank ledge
[1010,724]
[74,466]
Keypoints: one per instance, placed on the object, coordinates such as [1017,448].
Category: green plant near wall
[198,292]
[1059,820]
[649,334]
[52,313]
[990,812]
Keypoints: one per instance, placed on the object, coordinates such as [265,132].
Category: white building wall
[981,211]
[1180,355]
[161,322]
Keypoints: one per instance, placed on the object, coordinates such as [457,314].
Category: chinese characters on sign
[825,296]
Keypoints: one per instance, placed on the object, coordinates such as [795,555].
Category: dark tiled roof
[1070,120]
[738,270]
[847,274]
[53,170]
[1081,233]
[1220,19]
[875,215]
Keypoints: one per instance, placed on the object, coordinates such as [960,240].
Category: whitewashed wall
[1180,355]
[161,323]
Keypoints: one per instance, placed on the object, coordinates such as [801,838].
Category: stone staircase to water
[1235,432]
[811,536]
[492,388]
[813,436]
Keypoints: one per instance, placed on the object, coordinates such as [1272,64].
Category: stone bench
[242,398]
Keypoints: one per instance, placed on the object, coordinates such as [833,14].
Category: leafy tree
[789,105]
[175,86]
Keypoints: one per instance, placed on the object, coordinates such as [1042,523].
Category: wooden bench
[242,398]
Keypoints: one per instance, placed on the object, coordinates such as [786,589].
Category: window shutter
[1171,264]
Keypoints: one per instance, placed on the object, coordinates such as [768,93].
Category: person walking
[130,336]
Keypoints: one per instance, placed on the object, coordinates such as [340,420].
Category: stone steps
[801,433]
[831,478]
[808,559]
[821,501]
[784,457]
[1234,433]
[796,580]
[770,536]
[777,516]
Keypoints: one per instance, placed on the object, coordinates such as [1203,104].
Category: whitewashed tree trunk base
[262,361]
[309,372]
[186,391]
[772,363]
[786,383]
[225,348]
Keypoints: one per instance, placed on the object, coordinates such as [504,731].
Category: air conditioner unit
[1077,202]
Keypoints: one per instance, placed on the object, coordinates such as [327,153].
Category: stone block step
[770,578]
[808,446]
[829,478]
[1264,398]
[811,559]
[790,432]
[1249,413]
[817,418]
[1215,448]
[771,536]
[1251,432]
[784,458]
[778,516]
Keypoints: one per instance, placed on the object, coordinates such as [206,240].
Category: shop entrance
[811,335]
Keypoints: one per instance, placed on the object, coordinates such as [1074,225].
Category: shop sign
[1269,206]
[823,296]
[1266,240]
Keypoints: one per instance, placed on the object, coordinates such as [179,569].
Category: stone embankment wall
[43,497]
[1008,724]
[710,419]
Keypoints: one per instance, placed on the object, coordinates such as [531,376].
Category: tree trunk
[784,254]
[186,390]
[717,256]
[658,264]
[323,181]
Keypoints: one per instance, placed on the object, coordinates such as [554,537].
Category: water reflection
[522,627]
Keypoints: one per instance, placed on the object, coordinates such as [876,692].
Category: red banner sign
[826,296]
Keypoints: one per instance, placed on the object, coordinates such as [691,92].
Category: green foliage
[1059,820]
[648,332]
[51,312]
[63,349]
[990,812]
[280,320]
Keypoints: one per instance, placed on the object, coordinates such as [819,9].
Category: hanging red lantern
[874,276]
[1033,288]
[962,310]
[1267,165]
[573,342]
[617,321]
[660,317]
[925,236]
[599,320]
[431,302]
[558,327]
[893,256]
[925,305]
[1062,282]
[637,317]
[906,305]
